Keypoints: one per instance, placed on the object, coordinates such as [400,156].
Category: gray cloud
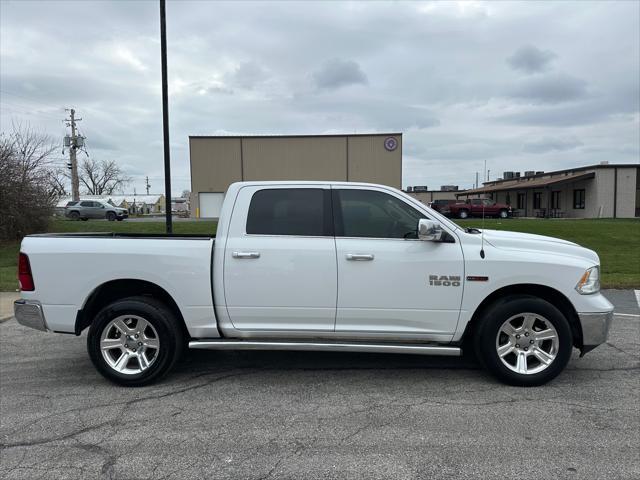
[434,71]
[336,73]
[530,59]
[248,75]
[544,145]
[550,89]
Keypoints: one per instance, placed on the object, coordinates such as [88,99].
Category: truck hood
[528,242]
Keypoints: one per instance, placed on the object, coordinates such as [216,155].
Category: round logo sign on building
[390,143]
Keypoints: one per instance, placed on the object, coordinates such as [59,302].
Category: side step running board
[325,347]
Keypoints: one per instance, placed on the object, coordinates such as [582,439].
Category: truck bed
[69,267]
[192,236]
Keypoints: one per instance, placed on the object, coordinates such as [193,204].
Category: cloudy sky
[524,86]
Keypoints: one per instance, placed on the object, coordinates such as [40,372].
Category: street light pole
[165,117]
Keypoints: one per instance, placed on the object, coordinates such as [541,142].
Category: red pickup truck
[477,207]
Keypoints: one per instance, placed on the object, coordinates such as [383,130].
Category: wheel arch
[113,290]
[551,295]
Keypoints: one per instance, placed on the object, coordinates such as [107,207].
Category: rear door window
[290,211]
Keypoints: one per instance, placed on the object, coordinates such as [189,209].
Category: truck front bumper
[29,313]
[595,329]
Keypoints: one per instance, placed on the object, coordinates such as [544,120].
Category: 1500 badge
[444,280]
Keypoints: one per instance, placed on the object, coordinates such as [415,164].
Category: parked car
[442,206]
[478,207]
[86,209]
[318,266]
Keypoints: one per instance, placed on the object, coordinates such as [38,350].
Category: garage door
[210,204]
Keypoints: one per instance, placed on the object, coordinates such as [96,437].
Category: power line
[25,110]
[32,99]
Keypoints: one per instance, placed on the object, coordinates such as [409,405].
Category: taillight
[24,274]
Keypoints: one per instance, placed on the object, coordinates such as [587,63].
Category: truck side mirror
[429,231]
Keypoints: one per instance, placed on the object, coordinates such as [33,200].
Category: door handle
[246,254]
[360,256]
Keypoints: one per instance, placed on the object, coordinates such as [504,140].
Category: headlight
[589,282]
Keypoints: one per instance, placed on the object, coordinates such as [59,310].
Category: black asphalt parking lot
[262,415]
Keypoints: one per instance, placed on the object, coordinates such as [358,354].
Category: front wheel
[524,341]
[111,216]
[134,341]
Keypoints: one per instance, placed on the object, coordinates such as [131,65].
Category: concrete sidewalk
[6,304]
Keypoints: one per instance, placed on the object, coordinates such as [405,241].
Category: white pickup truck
[318,266]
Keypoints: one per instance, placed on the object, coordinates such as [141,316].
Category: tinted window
[86,204]
[578,199]
[289,211]
[367,213]
[537,200]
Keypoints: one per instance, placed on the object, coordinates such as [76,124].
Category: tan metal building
[596,191]
[217,162]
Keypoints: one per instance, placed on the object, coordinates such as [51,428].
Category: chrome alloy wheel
[129,344]
[527,343]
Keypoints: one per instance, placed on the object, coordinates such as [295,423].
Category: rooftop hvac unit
[409,189]
[449,188]
[529,173]
[540,172]
[420,188]
[517,174]
[509,175]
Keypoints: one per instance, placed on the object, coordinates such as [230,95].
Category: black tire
[165,323]
[74,216]
[119,219]
[463,214]
[503,214]
[111,216]
[84,219]
[489,327]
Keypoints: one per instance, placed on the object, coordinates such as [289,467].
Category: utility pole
[477,184]
[148,186]
[165,116]
[73,147]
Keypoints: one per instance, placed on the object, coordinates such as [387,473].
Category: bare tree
[186,194]
[59,181]
[102,177]
[26,197]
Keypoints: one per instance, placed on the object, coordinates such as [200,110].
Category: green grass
[616,241]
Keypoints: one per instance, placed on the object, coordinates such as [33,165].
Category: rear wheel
[524,341]
[503,214]
[111,216]
[134,341]
[463,214]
